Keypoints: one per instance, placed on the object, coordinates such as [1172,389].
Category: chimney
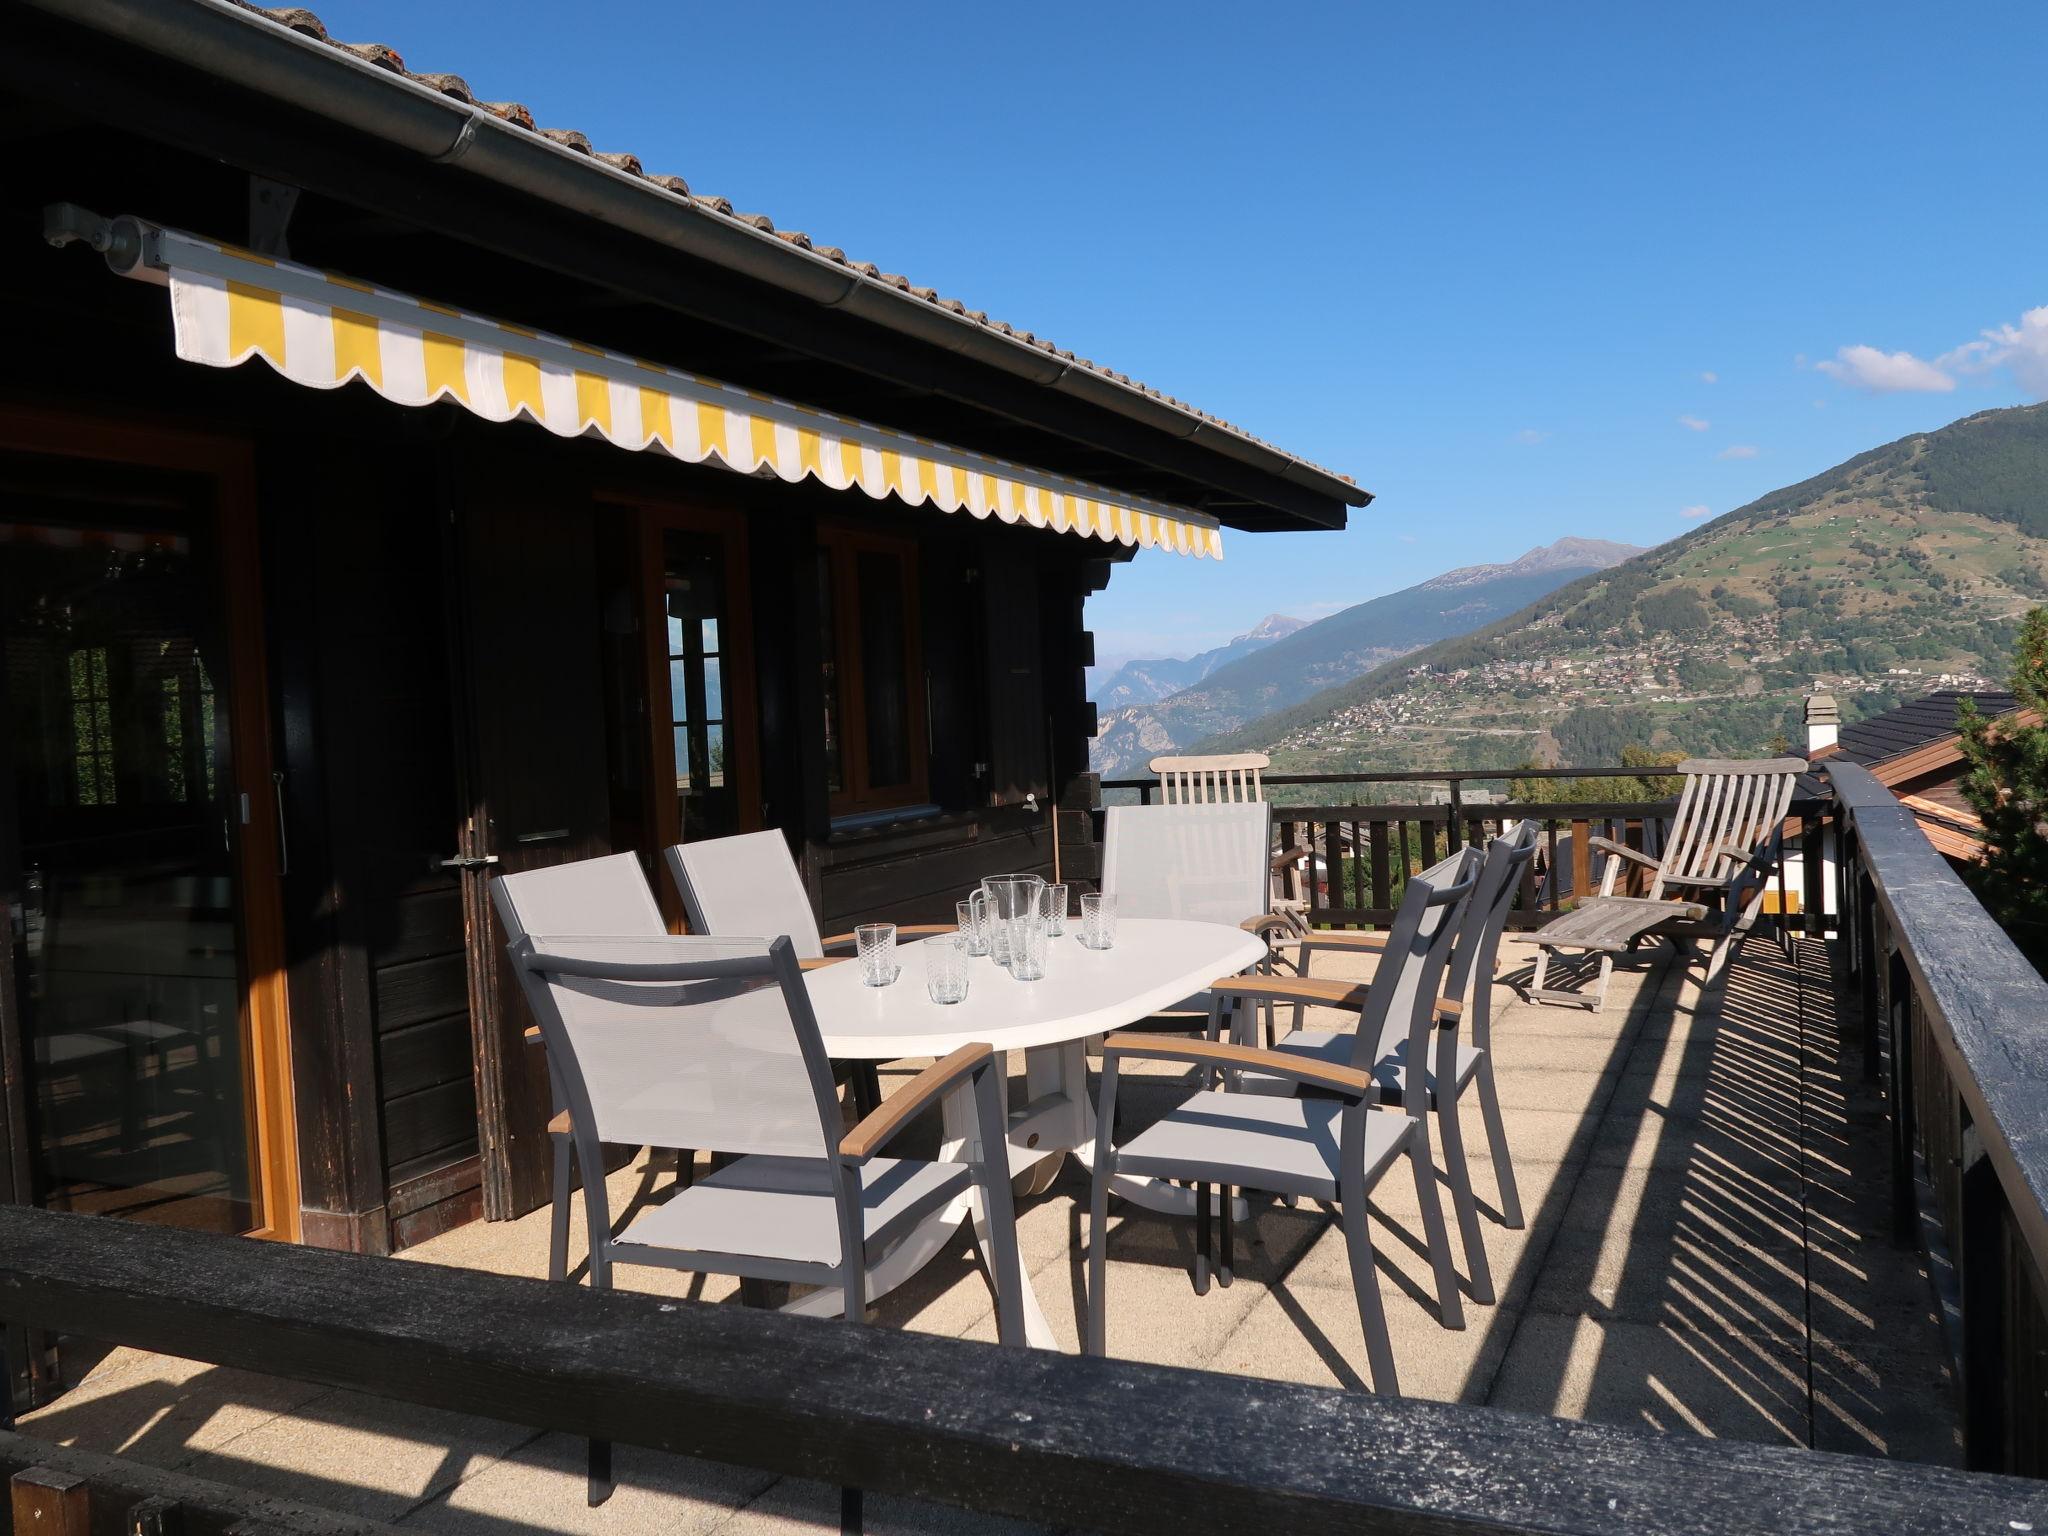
[1823,722]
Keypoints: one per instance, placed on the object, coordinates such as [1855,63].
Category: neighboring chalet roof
[191,32]
[1917,744]
[1918,723]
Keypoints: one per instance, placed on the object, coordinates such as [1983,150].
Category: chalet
[398,491]
[1916,752]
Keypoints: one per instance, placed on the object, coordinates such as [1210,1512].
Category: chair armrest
[1348,1081]
[1266,923]
[1707,880]
[1290,856]
[1293,989]
[903,931]
[533,1036]
[902,1106]
[1622,850]
[1316,990]
[1341,938]
[821,962]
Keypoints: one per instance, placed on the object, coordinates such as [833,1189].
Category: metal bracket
[270,214]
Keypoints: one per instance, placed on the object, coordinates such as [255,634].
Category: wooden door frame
[264,1010]
[656,516]
[854,537]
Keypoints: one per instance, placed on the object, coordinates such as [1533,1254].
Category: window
[92,728]
[872,670]
[693,608]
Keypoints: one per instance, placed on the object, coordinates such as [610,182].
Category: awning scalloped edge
[323,330]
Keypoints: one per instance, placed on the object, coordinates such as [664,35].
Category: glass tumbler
[1098,921]
[945,968]
[876,946]
[1028,940]
[972,917]
[1055,910]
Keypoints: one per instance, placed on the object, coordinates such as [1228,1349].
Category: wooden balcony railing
[1955,1028]
[1100,1445]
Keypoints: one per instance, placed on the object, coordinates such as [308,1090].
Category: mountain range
[1141,682]
[1221,695]
[1905,569]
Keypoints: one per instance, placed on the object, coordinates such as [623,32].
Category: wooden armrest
[903,931]
[1289,856]
[1349,1081]
[559,1126]
[1267,923]
[896,1111]
[1609,845]
[1676,879]
[1343,938]
[821,962]
[533,1036]
[1293,989]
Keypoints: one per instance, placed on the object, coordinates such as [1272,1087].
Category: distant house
[1916,752]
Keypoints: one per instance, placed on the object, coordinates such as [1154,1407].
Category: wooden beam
[1106,1445]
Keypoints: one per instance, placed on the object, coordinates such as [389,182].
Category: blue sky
[1523,270]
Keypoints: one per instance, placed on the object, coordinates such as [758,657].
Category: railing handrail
[1102,1444]
[1427,776]
[1985,1003]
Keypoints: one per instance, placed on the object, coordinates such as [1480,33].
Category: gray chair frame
[1467,995]
[677,964]
[1424,931]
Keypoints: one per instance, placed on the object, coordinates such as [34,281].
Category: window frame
[843,544]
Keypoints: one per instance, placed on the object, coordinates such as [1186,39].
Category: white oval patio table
[1156,964]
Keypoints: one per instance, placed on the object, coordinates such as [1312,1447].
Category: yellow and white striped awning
[321,329]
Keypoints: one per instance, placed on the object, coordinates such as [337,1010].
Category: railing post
[1898,1010]
[1981,1262]
[1867,977]
[1456,840]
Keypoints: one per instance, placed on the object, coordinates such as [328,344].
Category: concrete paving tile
[165,1411]
[1688,1281]
[1877,1401]
[1568,1092]
[1646,1376]
[360,1455]
[541,1487]
[800,1507]
[1312,1334]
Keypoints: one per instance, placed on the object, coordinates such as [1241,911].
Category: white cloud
[1407,538]
[1885,373]
[1710,377]
[2020,349]
[1694,423]
[1738,451]
[1695,512]
[1530,435]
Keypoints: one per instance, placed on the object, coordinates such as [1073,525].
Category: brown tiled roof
[306,23]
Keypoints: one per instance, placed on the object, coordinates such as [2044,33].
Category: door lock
[467,861]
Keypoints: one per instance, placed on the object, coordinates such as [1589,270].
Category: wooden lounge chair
[1726,840]
[1235,778]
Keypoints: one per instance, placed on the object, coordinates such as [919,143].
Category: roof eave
[233,43]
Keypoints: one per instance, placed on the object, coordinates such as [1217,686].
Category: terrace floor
[1705,1254]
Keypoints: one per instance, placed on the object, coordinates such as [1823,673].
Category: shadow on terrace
[1707,1253]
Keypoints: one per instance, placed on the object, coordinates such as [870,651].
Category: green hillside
[1904,569]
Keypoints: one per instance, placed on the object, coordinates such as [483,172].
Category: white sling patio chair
[1456,1061]
[1332,1148]
[711,1042]
[1234,778]
[748,884]
[1726,840]
[589,898]
[1204,863]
